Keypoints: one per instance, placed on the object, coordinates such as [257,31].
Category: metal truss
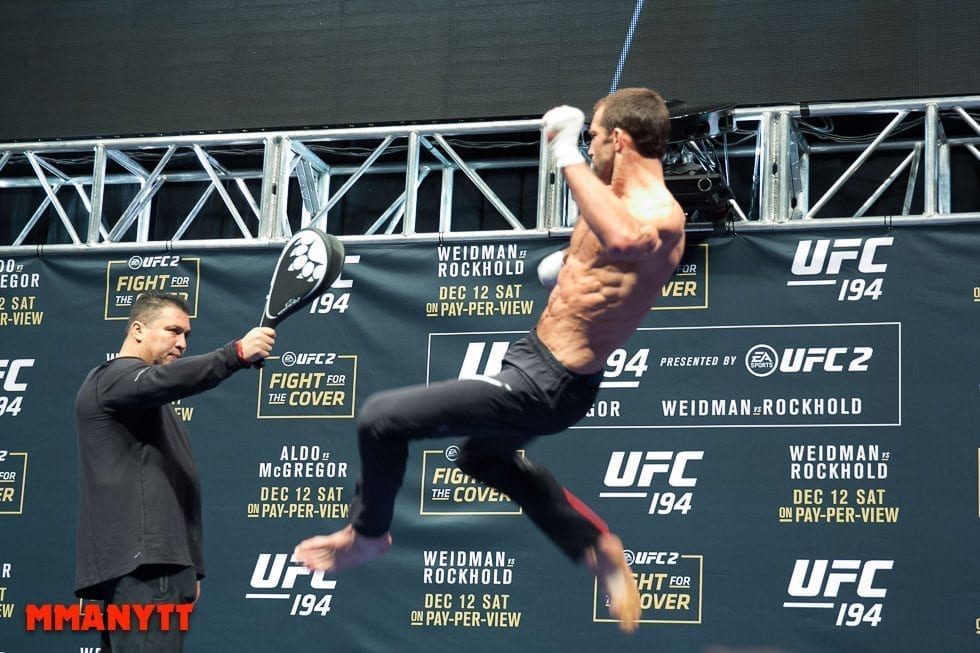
[66,187]
[912,146]
[253,175]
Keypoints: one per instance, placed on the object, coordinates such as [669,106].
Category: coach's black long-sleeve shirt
[139,491]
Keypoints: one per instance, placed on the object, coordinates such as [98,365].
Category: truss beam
[927,139]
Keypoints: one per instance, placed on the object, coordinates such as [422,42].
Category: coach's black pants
[145,585]
[532,395]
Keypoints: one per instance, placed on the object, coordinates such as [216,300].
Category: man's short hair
[642,114]
[150,303]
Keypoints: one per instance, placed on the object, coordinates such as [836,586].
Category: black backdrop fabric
[788,447]
[102,68]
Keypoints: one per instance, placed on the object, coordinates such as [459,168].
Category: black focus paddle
[309,263]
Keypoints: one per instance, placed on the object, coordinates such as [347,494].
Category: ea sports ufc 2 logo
[274,573]
[815,581]
[12,380]
[762,360]
[821,262]
[633,474]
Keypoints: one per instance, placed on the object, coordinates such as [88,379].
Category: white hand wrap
[563,128]
[549,267]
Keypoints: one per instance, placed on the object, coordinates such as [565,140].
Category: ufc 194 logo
[12,380]
[819,583]
[278,577]
[818,262]
[634,474]
[337,297]
[623,368]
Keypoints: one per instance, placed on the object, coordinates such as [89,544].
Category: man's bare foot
[607,562]
[341,550]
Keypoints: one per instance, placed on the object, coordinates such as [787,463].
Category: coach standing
[139,491]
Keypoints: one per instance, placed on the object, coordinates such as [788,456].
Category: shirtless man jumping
[626,244]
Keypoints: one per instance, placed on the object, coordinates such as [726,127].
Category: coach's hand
[257,344]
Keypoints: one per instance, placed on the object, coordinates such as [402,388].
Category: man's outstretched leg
[606,561]
[341,550]
[383,447]
[568,522]
[388,421]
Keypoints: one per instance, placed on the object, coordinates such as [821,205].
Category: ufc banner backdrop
[788,447]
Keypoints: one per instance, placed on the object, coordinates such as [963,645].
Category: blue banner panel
[787,446]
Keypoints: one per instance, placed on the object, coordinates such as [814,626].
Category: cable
[626,46]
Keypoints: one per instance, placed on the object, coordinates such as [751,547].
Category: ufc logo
[809,583]
[637,468]
[341,282]
[279,575]
[138,262]
[830,359]
[826,256]
[9,369]
[474,359]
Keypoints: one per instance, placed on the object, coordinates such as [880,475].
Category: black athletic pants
[532,395]
[145,585]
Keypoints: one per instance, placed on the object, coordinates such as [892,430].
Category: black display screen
[98,68]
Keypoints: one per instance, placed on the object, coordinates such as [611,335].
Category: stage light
[692,171]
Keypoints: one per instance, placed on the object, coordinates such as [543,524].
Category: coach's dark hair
[642,114]
[151,302]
